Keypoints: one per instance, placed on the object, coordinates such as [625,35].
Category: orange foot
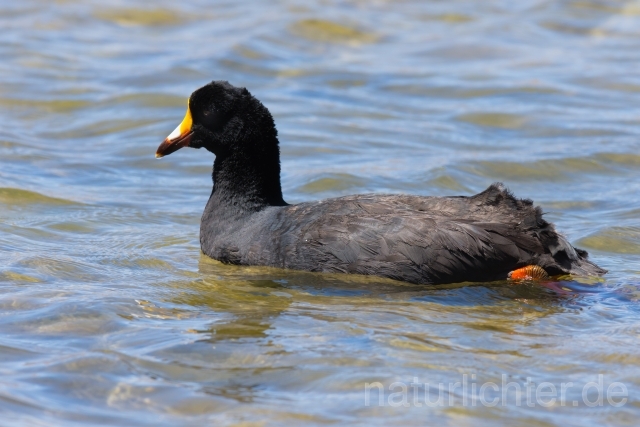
[530,272]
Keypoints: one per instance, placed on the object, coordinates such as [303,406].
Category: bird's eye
[209,119]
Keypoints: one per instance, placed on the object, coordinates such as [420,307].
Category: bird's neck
[247,181]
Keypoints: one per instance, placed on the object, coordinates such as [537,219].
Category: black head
[239,130]
[219,116]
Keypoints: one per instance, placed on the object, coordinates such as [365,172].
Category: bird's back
[423,240]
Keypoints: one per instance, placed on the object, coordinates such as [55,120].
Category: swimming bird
[417,239]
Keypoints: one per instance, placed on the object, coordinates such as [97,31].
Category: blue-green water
[110,315]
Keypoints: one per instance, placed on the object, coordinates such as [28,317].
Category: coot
[422,240]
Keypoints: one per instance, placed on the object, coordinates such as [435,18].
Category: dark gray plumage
[423,240]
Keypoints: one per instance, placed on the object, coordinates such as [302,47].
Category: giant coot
[423,240]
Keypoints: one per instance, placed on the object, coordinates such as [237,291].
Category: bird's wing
[428,239]
[423,246]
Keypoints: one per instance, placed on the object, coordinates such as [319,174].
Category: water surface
[109,313]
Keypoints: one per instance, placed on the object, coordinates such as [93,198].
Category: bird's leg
[529,272]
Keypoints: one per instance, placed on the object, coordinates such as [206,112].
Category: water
[110,315]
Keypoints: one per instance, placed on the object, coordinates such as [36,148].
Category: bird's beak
[180,137]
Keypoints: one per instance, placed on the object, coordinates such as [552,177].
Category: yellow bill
[180,137]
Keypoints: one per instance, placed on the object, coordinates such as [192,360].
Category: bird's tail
[569,260]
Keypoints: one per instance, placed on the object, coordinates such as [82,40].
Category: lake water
[110,315]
